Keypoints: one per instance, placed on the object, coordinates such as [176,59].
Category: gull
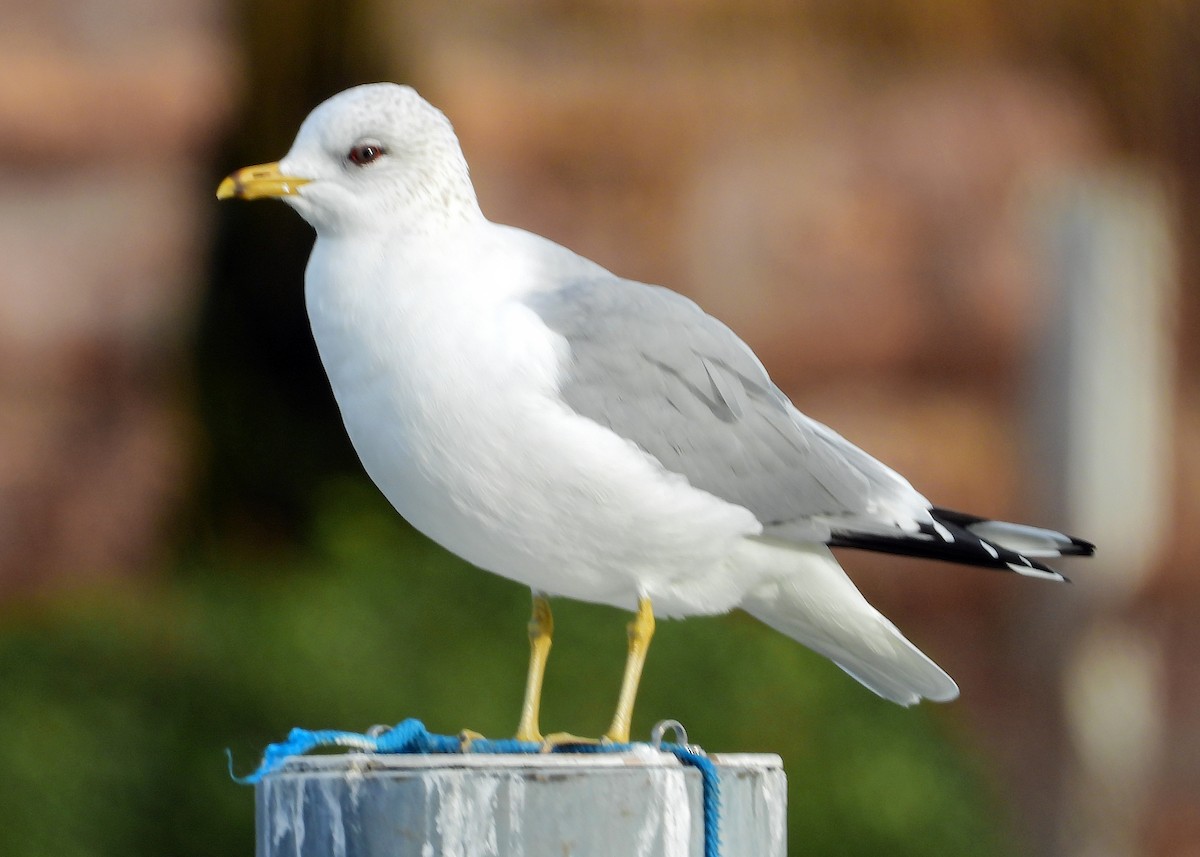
[589,436]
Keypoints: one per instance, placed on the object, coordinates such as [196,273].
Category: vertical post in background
[1103,388]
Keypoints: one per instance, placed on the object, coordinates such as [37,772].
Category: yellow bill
[259,182]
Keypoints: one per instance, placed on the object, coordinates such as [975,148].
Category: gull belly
[450,397]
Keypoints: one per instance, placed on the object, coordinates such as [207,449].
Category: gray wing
[656,369]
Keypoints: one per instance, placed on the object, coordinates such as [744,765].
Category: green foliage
[117,705]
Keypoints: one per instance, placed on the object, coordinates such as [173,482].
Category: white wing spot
[1029,571]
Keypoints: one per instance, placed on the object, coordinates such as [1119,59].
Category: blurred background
[963,234]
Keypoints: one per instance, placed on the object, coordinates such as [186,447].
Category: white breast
[447,386]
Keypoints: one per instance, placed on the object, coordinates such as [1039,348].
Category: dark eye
[365,153]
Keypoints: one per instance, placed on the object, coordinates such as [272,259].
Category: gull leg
[641,630]
[541,632]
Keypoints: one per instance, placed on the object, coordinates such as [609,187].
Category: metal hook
[660,728]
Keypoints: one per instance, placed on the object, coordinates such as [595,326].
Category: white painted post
[638,804]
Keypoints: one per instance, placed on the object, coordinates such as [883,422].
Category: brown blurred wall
[107,112]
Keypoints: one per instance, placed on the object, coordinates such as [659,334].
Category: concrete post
[638,804]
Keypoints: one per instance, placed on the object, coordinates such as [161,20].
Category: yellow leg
[541,632]
[641,630]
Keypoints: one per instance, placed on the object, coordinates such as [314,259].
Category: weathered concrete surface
[640,804]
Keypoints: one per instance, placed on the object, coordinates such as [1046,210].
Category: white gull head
[378,157]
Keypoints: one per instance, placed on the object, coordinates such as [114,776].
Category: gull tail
[957,537]
[817,604]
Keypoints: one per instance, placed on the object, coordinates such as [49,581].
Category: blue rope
[411,736]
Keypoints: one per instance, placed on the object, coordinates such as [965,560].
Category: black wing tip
[950,539]
[1079,547]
